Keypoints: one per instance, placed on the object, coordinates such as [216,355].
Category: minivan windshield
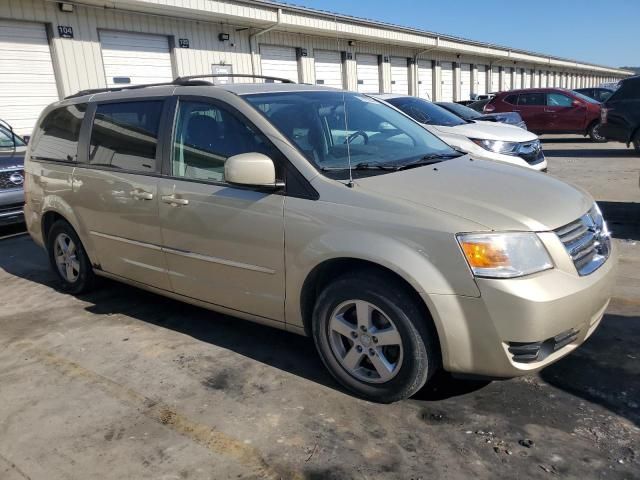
[426,112]
[329,128]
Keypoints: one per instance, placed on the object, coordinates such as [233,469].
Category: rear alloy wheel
[594,133]
[68,259]
[374,337]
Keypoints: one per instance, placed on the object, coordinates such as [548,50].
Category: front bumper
[11,206]
[540,165]
[556,309]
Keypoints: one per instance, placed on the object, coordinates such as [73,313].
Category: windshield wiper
[363,166]
[428,160]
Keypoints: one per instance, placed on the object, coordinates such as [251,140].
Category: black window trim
[87,129]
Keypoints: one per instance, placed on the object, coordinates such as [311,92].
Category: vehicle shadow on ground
[616,152]
[623,219]
[565,140]
[606,369]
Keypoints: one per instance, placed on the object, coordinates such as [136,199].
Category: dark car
[12,150]
[620,114]
[597,93]
[551,110]
[470,115]
[479,105]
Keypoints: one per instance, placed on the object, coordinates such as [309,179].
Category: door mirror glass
[576,103]
[251,169]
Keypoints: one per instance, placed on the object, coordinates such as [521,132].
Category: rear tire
[594,133]
[68,259]
[373,337]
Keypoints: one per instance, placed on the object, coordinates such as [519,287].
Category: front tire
[68,259]
[594,133]
[373,337]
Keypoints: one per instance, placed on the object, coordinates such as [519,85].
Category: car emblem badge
[16,179]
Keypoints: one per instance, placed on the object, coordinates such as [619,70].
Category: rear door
[561,115]
[531,108]
[224,244]
[115,184]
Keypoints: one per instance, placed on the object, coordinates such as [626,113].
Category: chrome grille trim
[587,241]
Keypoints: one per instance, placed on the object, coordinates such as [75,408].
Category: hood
[494,194]
[489,131]
[10,158]
[511,118]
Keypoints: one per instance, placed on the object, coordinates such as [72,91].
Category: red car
[551,110]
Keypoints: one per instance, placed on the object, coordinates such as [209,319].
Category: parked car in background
[470,115]
[402,255]
[599,94]
[551,110]
[620,114]
[12,151]
[479,105]
[488,140]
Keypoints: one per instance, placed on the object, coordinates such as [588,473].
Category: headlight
[498,146]
[504,255]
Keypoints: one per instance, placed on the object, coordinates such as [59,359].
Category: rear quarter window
[56,138]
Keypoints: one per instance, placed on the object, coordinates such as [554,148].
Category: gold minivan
[325,213]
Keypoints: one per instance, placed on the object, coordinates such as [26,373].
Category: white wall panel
[328,67]
[495,79]
[279,61]
[481,80]
[399,75]
[465,81]
[425,79]
[368,72]
[446,81]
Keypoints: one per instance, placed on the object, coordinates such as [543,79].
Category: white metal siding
[481,80]
[328,67]
[465,81]
[368,73]
[399,75]
[425,79]
[506,79]
[527,79]
[27,80]
[279,62]
[141,58]
[518,79]
[446,81]
[495,79]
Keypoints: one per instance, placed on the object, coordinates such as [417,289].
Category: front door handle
[549,111]
[142,195]
[173,200]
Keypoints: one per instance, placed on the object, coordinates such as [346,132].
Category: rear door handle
[142,195]
[172,200]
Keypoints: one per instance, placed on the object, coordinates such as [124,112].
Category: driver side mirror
[252,170]
[576,103]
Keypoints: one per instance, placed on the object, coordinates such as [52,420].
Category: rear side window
[512,99]
[530,99]
[125,135]
[57,136]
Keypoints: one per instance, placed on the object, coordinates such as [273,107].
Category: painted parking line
[214,440]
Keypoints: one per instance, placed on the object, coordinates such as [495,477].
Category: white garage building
[51,49]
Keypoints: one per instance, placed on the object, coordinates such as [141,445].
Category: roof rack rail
[190,78]
[93,91]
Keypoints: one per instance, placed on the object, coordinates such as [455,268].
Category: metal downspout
[253,42]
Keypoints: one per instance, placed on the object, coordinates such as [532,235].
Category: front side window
[335,129]
[205,136]
[125,135]
[558,100]
[530,99]
[57,136]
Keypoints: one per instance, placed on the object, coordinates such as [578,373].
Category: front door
[562,115]
[116,190]
[223,244]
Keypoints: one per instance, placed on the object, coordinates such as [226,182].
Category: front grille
[12,207]
[531,152]
[11,178]
[587,241]
[528,352]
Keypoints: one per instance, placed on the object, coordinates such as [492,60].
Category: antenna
[344,107]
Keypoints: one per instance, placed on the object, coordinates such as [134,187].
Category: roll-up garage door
[506,79]
[481,80]
[279,62]
[135,58]
[328,68]
[526,80]
[446,81]
[368,73]
[543,79]
[465,81]
[518,78]
[495,80]
[399,75]
[27,79]
[425,79]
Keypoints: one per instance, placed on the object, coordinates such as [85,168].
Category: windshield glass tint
[460,110]
[6,140]
[426,112]
[371,132]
